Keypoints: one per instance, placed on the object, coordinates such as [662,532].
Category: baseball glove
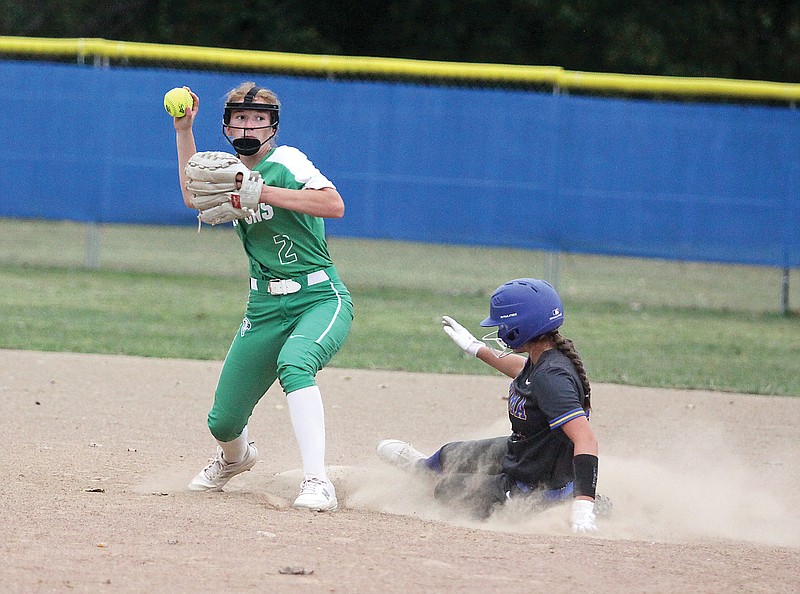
[223,188]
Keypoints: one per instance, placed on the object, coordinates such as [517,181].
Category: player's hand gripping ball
[177,101]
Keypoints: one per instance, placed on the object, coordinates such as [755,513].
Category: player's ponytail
[565,346]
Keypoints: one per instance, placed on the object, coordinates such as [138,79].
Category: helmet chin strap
[247,146]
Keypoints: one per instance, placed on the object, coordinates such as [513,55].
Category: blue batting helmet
[523,309]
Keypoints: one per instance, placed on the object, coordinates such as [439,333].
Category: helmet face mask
[249,145]
[524,309]
[504,349]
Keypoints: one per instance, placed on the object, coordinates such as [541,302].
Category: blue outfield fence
[494,167]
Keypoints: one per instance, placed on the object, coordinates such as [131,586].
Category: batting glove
[461,336]
[582,519]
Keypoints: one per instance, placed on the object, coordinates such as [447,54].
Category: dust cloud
[690,488]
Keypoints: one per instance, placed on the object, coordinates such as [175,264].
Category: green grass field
[171,292]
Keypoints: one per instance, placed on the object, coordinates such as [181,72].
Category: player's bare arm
[186,148]
[581,435]
[184,139]
[325,203]
[510,365]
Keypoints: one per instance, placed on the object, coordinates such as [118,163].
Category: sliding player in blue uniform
[551,454]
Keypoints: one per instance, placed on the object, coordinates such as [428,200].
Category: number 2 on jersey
[285,249]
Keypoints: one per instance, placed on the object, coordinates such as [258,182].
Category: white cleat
[316,495]
[214,476]
[399,453]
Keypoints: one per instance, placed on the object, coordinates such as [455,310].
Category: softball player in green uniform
[298,312]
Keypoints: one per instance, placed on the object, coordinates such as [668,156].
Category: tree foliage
[747,39]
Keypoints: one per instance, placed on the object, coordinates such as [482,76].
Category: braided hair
[567,348]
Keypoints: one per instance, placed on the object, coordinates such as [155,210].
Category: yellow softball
[177,101]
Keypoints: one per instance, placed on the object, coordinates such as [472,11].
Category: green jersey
[283,243]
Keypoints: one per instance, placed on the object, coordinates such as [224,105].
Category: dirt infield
[100,448]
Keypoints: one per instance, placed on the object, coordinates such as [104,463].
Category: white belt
[281,286]
[287,286]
